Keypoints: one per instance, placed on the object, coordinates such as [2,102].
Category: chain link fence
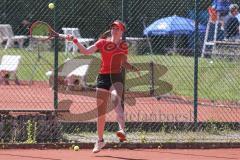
[183,89]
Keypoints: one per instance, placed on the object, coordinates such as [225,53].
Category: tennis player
[109,82]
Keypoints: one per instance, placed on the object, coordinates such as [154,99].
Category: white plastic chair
[9,65]
[76,33]
[74,68]
[7,35]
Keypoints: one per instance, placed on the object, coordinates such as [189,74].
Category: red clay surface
[39,96]
[114,154]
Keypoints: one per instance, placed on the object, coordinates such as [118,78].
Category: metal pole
[148,39]
[196,53]
[152,78]
[55,83]
[124,19]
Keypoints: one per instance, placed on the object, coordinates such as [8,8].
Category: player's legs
[121,122]
[116,97]
[103,86]
[102,98]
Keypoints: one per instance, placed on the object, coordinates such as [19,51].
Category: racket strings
[41,29]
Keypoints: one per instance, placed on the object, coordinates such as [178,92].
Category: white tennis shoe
[121,135]
[98,146]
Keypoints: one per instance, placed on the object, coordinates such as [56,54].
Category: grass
[158,137]
[218,79]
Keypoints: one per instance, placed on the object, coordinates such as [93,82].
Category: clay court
[113,154]
[39,97]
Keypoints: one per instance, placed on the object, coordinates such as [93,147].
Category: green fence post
[196,53]
[55,83]
[123,18]
[152,83]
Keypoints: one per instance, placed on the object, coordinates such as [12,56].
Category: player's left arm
[128,66]
[131,67]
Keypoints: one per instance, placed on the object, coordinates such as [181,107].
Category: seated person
[231,27]
[221,8]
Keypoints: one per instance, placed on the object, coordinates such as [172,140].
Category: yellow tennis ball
[51,5]
[76,148]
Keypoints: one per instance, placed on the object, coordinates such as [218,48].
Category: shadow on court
[28,157]
[120,158]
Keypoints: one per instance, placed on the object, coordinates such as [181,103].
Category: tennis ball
[76,148]
[51,5]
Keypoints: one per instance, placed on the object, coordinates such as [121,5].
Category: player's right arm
[87,51]
[90,50]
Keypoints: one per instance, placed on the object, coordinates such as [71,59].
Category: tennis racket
[43,31]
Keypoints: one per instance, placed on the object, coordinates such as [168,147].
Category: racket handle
[63,36]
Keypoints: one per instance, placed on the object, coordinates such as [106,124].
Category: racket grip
[63,36]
